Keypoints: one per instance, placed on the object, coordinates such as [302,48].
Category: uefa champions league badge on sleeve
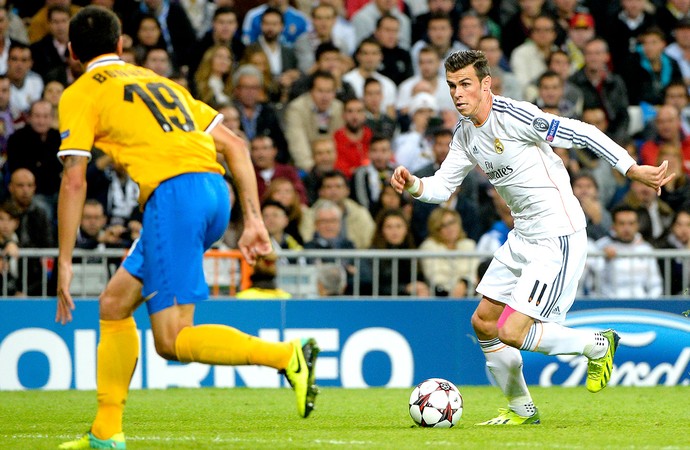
[552,130]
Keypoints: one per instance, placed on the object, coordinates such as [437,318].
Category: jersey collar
[104,60]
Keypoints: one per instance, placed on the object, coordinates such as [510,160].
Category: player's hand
[401,179]
[254,241]
[65,304]
[651,176]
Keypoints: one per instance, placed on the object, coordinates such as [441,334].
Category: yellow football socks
[223,345]
[118,351]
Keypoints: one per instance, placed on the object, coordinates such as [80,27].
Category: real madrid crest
[498,146]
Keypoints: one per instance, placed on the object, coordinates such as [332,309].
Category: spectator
[603,89]
[369,180]
[9,255]
[213,78]
[264,280]
[51,52]
[352,139]
[148,35]
[518,27]
[379,119]
[263,154]
[559,62]
[364,21]
[670,14]
[283,191]
[26,86]
[512,87]
[331,280]
[200,14]
[566,12]
[464,200]
[440,37]
[586,189]
[393,276]
[622,30]
[328,234]
[39,25]
[551,94]
[34,147]
[6,120]
[231,118]
[487,12]
[680,49]
[315,114]
[178,34]
[626,277]
[357,224]
[412,149]
[649,70]
[654,215]
[109,184]
[257,118]
[470,30]
[668,131]
[324,17]
[275,216]
[528,59]
[35,230]
[396,63]
[329,60]
[281,58]
[436,8]
[296,23]
[16,28]
[66,74]
[676,94]
[158,60]
[223,32]
[677,236]
[428,80]
[448,276]
[580,31]
[272,91]
[323,154]
[52,91]
[676,192]
[369,58]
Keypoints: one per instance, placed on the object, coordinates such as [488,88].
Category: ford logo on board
[654,350]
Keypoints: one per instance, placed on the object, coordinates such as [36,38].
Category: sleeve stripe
[216,120]
[72,152]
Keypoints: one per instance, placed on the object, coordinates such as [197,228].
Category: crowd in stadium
[331,95]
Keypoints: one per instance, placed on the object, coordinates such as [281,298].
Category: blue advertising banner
[393,343]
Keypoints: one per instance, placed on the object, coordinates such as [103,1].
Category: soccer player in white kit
[532,280]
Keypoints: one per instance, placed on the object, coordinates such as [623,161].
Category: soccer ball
[436,403]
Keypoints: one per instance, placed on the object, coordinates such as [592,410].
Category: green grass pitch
[572,418]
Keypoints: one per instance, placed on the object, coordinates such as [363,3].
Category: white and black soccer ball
[436,403]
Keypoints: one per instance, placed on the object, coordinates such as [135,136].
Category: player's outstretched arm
[254,240]
[70,205]
[652,176]
[402,180]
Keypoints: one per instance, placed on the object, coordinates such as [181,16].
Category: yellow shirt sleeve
[78,120]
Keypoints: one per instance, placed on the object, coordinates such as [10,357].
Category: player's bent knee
[111,307]
[166,350]
[483,328]
[510,335]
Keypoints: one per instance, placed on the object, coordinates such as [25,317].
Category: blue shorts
[184,216]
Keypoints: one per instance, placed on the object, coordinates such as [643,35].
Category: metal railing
[226,272]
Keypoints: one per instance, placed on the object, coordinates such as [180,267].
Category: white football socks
[555,339]
[505,364]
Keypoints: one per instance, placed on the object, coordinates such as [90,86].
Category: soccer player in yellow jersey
[167,141]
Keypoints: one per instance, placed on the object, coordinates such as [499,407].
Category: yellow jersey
[148,124]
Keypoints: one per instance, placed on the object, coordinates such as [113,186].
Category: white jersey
[513,148]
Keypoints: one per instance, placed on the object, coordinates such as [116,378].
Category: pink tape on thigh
[507,311]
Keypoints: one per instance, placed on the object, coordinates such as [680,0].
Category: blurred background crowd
[332,94]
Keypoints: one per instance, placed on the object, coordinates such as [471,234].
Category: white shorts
[537,277]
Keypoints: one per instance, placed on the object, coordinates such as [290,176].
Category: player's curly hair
[94,31]
[463,58]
